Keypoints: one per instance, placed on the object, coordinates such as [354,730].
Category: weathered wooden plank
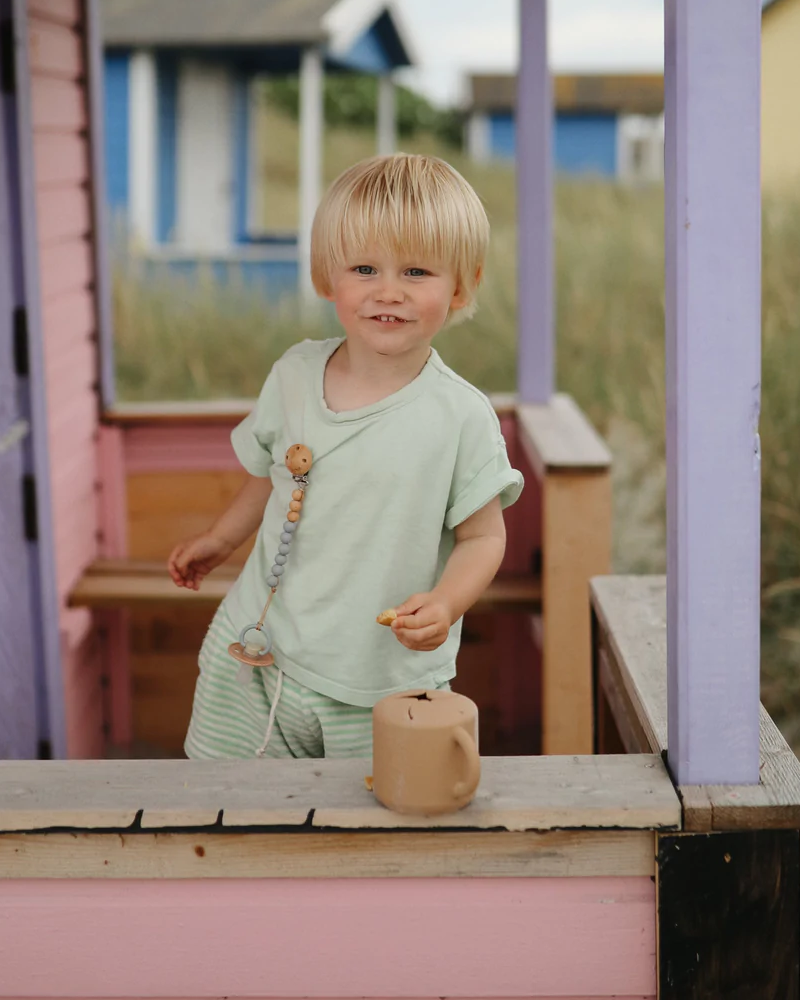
[557,435]
[631,616]
[54,50]
[336,938]
[533,793]
[525,793]
[576,545]
[552,854]
[729,916]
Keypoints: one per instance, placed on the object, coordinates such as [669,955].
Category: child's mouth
[388,320]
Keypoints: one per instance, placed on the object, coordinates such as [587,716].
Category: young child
[404,502]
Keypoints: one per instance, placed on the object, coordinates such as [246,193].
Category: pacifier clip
[256,650]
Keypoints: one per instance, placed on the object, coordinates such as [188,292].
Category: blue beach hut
[180,118]
[607,125]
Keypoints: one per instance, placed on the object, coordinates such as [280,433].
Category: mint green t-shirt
[389,484]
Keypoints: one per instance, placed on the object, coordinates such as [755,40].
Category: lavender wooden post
[534,123]
[44,560]
[713,301]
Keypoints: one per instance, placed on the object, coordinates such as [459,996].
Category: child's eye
[417,272]
[364,269]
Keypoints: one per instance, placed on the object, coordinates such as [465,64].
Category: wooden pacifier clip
[255,643]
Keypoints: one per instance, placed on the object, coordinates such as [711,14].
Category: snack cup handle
[468,785]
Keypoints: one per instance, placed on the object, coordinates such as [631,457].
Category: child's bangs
[408,225]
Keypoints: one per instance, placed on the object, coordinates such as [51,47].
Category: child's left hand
[423,622]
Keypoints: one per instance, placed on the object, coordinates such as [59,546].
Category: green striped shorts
[230,719]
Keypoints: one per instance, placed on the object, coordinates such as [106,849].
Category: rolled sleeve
[483,470]
[497,478]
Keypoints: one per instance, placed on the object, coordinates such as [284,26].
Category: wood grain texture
[164,508]
[557,435]
[729,916]
[340,937]
[553,854]
[631,632]
[516,793]
[576,545]
[133,582]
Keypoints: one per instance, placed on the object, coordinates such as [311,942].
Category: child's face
[390,305]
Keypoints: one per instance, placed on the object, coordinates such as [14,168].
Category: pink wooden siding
[413,938]
[64,221]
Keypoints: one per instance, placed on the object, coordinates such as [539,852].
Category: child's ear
[460,297]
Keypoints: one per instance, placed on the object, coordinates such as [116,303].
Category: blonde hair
[410,205]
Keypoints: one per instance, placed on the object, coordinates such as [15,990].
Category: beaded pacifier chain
[256,650]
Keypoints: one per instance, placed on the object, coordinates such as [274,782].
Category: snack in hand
[386,617]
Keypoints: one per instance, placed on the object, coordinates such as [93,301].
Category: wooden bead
[298,495]
[298,459]
[295,505]
[293,515]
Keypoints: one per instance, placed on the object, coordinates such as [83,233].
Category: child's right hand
[194,559]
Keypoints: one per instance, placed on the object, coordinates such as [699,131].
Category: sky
[452,38]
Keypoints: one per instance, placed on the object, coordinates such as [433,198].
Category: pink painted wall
[412,938]
[64,220]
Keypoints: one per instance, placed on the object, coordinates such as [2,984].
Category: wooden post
[44,558]
[386,116]
[311,116]
[142,141]
[713,253]
[534,123]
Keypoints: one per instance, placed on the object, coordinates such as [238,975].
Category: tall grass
[180,341]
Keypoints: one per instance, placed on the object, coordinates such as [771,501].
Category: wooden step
[128,583]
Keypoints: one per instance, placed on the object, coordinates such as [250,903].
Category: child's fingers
[420,638]
[420,619]
[411,606]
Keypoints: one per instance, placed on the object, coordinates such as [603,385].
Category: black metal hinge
[21,356]
[29,514]
[8,75]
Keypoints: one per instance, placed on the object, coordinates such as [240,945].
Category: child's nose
[390,291]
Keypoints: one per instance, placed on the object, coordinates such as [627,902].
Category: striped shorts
[230,719]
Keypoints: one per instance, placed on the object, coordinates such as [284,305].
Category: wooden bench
[129,583]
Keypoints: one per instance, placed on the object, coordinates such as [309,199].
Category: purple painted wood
[18,720]
[102,254]
[52,727]
[534,123]
[713,317]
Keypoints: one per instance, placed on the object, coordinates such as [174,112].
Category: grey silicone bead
[277,570]
[290,527]
[280,560]
[286,538]
[284,549]
[272,581]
